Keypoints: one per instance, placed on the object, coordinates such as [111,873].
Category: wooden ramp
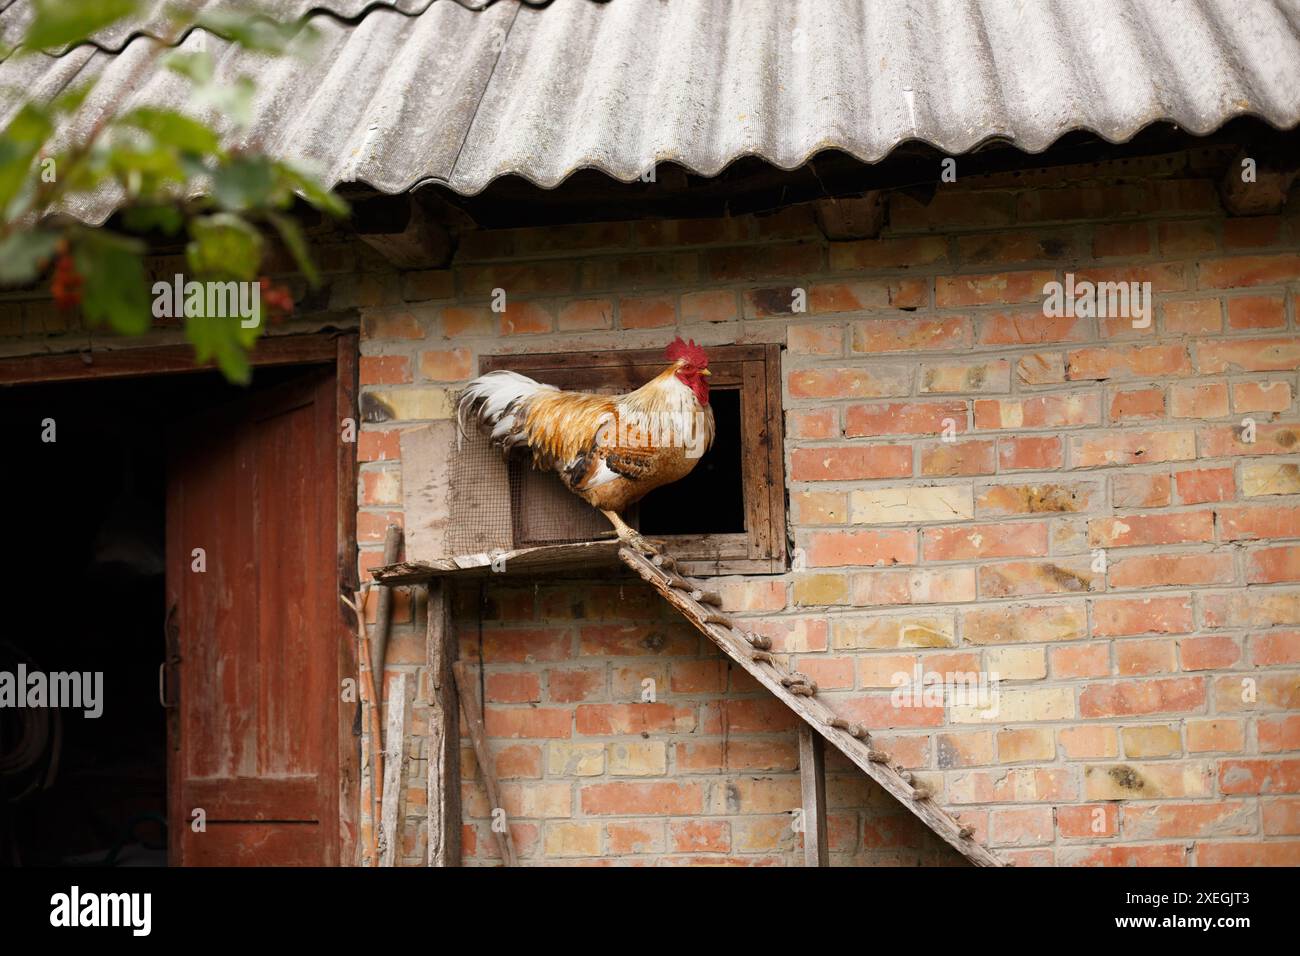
[799,693]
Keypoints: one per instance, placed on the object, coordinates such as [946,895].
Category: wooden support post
[472,706]
[812,777]
[394,768]
[444,731]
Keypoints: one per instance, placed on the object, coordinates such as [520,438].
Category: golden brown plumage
[610,450]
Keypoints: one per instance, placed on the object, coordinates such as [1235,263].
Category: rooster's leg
[628,534]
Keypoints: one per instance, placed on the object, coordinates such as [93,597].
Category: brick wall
[1092,528]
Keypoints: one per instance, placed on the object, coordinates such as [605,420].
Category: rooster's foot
[639,542]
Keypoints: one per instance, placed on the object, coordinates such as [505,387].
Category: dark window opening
[711,499]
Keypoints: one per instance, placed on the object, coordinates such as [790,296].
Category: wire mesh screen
[495,504]
[546,512]
[480,498]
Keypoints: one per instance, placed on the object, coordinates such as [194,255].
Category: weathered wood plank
[426,489]
[444,731]
[812,782]
[471,704]
[394,768]
[519,561]
[817,715]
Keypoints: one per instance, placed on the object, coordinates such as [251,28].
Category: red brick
[1205,484]
[392,325]
[1088,821]
[873,548]
[957,291]
[1248,854]
[531,722]
[1172,570]
[617,719]
[1132,361]
[1165,820]
[813,424]
[512,688]
[1140,490]
[649,799]
[651,312]
[586,314]
[1137,530]
[700,836]
[713,305]
[1121,239]
[958,458]
[1198,401]
[849,382]
[973,542]
[447,365]
[911,335]
[1208,653]
[1132,448]
[1193,317]
[1277,647]
[525,318]
[1088,660]
[1277,734]
[1032,454]
[1043,411]
[1029,328]
[1140,658]
[818,339]
[1247,355]
[1239,271]
[904,418]
[1120,617]
[1261,521]
[1260,776]
[870,254]
[1176,695]
[1256,312]
[385,370]
[851,463]
[1271,396]
[1272,565]
[377,445]
[1137,404]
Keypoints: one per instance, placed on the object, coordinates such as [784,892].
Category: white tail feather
[493,401]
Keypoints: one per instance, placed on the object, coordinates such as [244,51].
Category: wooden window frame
[755,371]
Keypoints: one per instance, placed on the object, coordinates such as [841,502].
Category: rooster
[609,450]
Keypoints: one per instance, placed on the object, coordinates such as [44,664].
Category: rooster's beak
[705,372]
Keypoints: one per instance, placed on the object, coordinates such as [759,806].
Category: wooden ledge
[519,562]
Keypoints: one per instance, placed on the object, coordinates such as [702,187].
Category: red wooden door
[255,634]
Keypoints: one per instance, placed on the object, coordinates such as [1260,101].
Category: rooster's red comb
[692,353]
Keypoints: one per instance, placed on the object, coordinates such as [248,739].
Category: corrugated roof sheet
[461,96]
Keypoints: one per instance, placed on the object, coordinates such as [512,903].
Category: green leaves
[224,245]
[23,254]
[169,128]
[20,144]
[116,289]
[177,176]
[58,23]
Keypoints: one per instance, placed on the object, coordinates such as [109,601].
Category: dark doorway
[85,567]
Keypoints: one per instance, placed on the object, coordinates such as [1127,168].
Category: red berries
[276,299]
[67,282]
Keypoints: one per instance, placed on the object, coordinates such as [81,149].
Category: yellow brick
[574,760]
[890,505]
[408,404]
[647,758]
[1020,705]
[929,631]
[1153,741]
[1027,743]
[573,839]
[1017,663]
[1268,478]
